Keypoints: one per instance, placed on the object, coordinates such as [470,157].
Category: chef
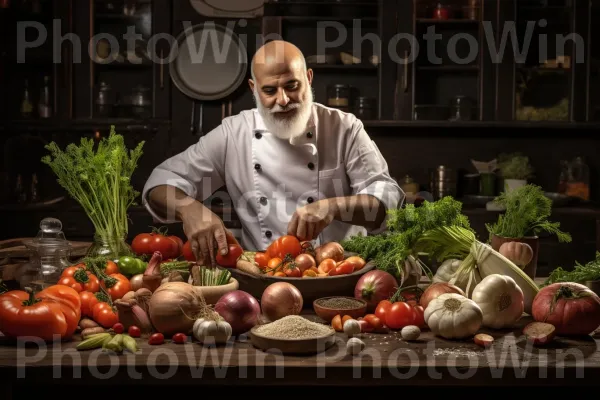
[290,166]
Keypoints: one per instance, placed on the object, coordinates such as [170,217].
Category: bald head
[277,57]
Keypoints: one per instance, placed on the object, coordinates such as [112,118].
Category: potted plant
[515,170]
[526,216]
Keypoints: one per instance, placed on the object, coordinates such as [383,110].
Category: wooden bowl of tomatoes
[318,272]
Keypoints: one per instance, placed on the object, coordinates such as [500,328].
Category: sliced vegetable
[483,340]
[539,333]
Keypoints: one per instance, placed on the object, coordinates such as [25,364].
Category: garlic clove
[354,346]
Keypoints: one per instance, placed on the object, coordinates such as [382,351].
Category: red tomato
[292,270]
[419,316]
[179,242]
[400,314]
[382,309]
[342,269]
[156,338]
[71,282]
[262,259]
[134,331]
[374,321]
[105,315]
[88,301]
[230,259]
[70,271]
[179,338]
[118,328]
[93,283]
[289,244]
[111,268]
[148,243]
[573,308]
[187,252]
[120,288]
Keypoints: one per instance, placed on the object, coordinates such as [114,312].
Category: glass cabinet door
[122,68]
[543,60]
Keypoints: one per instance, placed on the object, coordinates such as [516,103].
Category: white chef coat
[268,178]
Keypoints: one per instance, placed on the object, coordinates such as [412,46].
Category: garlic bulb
[216,332]
[355,346]
[351,327]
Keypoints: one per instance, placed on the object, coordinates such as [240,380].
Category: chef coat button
[268,234]
[309,135]
[258,135]
[257,167]
[263,200]
[310,200]
[311,165]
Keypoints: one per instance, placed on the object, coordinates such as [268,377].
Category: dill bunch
[405,226]
[98,179]
[580,274]
[527,213]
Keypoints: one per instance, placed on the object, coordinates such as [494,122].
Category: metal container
[443,182]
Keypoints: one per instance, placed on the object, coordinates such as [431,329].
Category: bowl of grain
[293,334]
[329,307]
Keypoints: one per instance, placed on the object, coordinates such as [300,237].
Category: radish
[539,333]
[483,340]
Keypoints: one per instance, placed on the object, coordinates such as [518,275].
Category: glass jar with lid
[50,254]
[338,96]
[365,108]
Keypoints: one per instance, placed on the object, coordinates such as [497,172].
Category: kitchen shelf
[342,67]
[297,18]
[454,21]
[449,68]
[52,125]
[481,124]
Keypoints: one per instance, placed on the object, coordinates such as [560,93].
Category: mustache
[277,108]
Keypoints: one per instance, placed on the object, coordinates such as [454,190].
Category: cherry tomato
[327,265]
[118,328]
[179,338]
[365,326]
[187,252]
[419,316]
[274,263]
[134,331]
[70,271]
[292,270]
[288,245]
[88,301]
[93,283]
[374,321]
[262,259]
[71,282]
[229,259]
[382,309]
[120,288]
[157,338]
[111,268]
[342,269]
[401,314]
[104,315]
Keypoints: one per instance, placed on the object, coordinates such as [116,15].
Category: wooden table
[386,360]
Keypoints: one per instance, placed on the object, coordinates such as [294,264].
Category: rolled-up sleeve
[198,171]
[369,174]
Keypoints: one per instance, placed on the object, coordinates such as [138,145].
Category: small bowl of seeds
[329,307]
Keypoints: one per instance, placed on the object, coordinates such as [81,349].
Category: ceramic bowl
[212,294]
[328,313]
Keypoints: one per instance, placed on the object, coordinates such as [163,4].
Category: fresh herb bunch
[100,180]
[527,212]
[406,225]
[580,274]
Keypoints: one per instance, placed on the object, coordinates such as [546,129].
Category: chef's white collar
[297,140]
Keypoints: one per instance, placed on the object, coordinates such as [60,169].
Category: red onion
[240,309]
[281,299]
[437,289]
[375,286]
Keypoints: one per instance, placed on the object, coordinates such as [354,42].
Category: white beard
[282,127]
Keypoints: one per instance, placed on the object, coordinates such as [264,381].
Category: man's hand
[309,221]
[206,233]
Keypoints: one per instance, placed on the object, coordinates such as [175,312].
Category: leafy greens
[527,212]
[406,225]
[580,274]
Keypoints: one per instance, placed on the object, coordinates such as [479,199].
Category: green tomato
[131,266]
